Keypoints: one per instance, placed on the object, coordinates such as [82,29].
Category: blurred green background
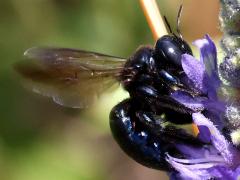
[40,140]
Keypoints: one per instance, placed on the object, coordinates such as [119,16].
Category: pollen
[235,136]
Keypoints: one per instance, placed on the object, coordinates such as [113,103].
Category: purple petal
[204,134]
[195,71]
[223,172]
[216,116]
[237,172]
[218,140]
[196,152]
[214,106]
[208,56]
[208,53]
[188,101]
[191,171]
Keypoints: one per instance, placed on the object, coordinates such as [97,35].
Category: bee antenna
[178,21]
[168,25]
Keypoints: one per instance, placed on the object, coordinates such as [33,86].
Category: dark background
[40,140]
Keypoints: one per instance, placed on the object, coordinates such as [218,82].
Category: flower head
[217,157]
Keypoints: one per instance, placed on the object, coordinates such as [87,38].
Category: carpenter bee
[74,78]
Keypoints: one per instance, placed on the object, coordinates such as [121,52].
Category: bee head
[168,52]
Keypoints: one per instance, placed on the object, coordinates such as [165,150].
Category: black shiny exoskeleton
[137,124]
[168,51]
[141,123]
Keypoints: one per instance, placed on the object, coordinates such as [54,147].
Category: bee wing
[73,78]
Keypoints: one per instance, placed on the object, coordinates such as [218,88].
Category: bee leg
[135,140]
[151,100]
[168,133]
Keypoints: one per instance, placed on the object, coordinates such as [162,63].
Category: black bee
[139,124]
[74,78]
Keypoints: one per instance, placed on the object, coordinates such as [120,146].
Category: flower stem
[154,18]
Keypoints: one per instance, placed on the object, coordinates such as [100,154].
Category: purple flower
[217,158]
